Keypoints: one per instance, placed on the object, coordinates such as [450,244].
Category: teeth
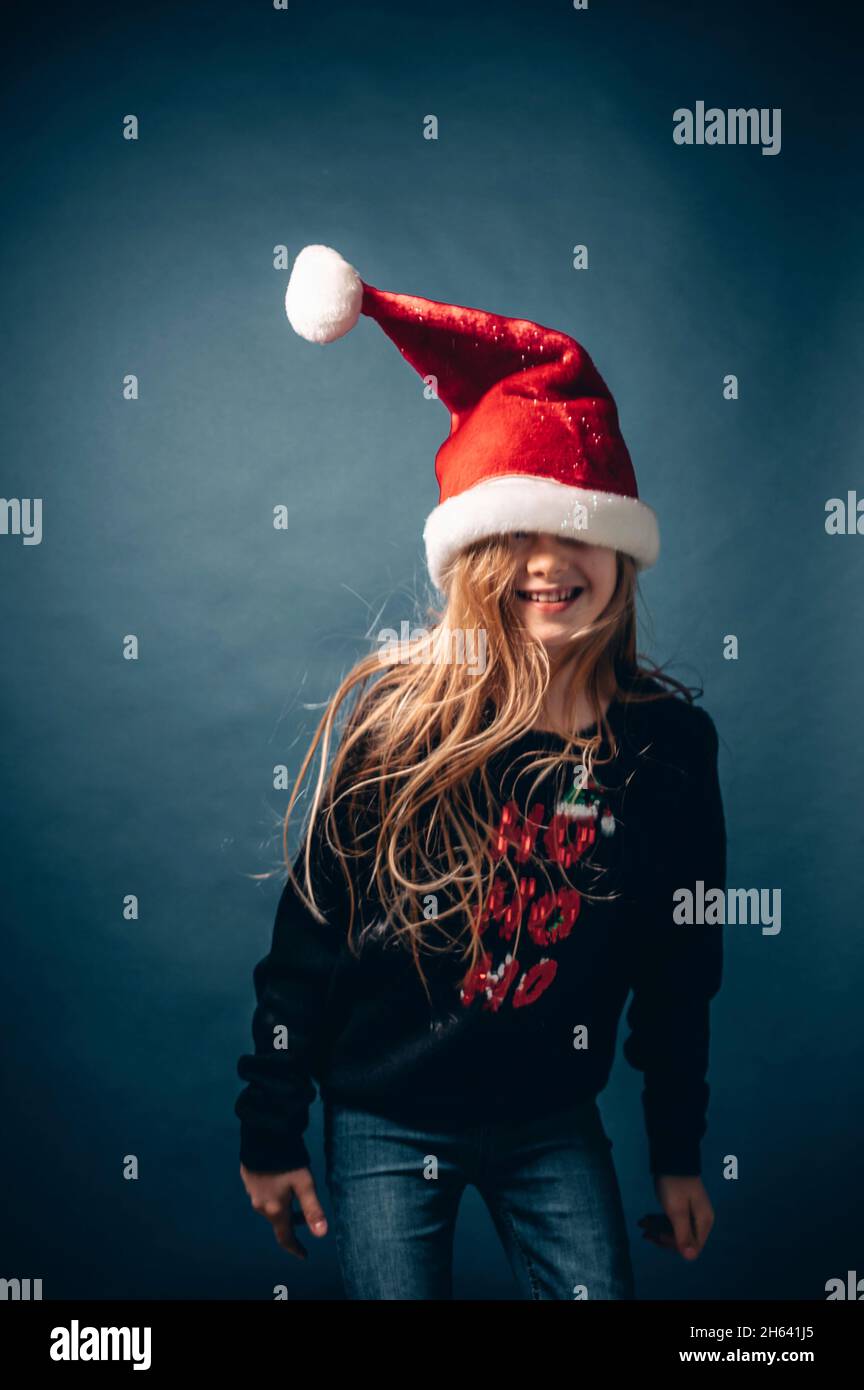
[553,596]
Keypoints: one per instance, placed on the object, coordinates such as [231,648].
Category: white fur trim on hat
[324,295]
[522,502]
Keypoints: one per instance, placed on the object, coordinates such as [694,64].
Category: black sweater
[529,1033]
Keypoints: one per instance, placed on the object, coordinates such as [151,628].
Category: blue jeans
[549,1184]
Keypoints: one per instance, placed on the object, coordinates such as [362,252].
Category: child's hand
[272,1193]
[689,1212]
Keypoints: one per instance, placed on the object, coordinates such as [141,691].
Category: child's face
[584,575]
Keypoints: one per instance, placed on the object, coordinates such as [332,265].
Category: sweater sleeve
[678,839]
[291,986]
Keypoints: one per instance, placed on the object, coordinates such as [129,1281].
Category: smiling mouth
[555,597]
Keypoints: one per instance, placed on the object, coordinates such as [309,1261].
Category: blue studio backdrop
[159,406]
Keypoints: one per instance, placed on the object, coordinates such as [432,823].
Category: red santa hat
[534,442]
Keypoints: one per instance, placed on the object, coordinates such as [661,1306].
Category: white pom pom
[324,295]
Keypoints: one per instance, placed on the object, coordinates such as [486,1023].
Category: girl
[516,818]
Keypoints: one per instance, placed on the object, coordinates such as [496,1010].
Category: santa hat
[534,442]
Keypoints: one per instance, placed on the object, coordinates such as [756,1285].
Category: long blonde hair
[418,735]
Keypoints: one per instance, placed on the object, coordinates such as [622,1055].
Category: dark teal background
[155,257]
